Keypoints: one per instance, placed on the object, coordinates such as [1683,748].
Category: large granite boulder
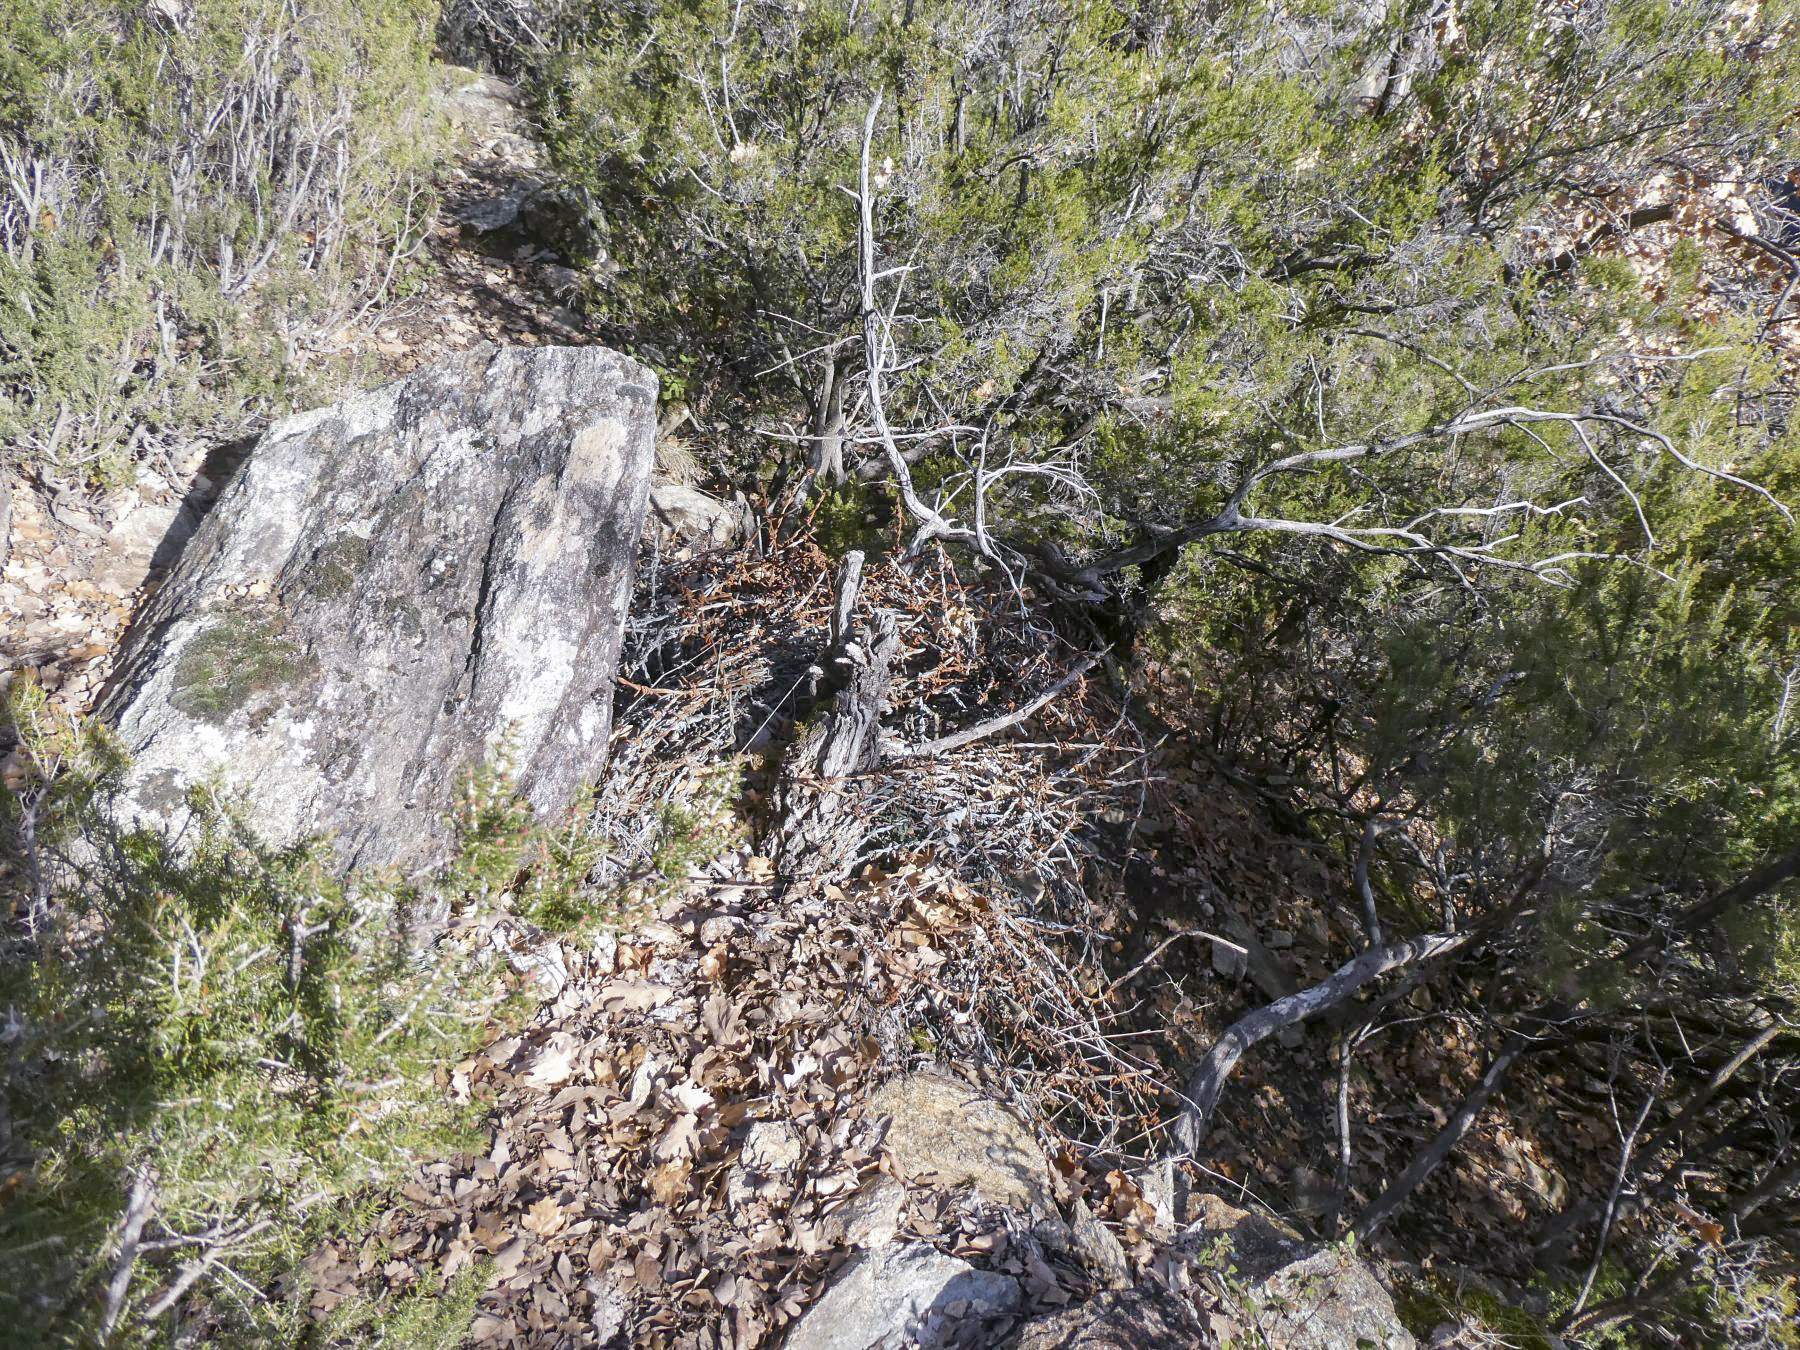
[428,577]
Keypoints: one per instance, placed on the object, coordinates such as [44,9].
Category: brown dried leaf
[712,965]
[633,995]
[545,1218]
[723,1021]
[668,1184]
[552,1065]
[510,1257]
[680,1139]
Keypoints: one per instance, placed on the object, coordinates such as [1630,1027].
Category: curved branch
[1208,1080]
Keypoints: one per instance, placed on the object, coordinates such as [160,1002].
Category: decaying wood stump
[813,834]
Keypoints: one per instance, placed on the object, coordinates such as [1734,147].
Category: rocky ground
[857,1109]
[924,1090]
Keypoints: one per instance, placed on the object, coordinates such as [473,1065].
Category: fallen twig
[969,735]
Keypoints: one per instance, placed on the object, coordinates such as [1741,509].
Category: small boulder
[484,215]
[869,1218]
[680,514]
[948,1133]
[423,579]
[1296,1297]
[909,1296]
[771,1151]
[1228,960]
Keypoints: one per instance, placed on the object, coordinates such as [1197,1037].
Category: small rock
[393,590]
[681,514]
[772,1145]
[909,1295]
[1158,1183]
[1099,1248]
[1136,1319]
[871,1217]
[1329,1300]
[492,213]
[1228,961]
[771,1150]
[1278,939]
[1299,1299]
[721,928]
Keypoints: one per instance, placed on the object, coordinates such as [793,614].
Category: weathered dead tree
[812,834]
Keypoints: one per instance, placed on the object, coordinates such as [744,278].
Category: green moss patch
[334,568]
[227,665]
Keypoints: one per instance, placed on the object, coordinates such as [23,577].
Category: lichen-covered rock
[680,514]
[1296,1297]
[910,1297]
[947,1132]
[394,590]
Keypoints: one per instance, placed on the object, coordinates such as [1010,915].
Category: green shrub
[185,204]
[250,1045]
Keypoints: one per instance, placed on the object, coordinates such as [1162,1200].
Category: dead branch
[1208,1080]
[137,1212]
[1626,1147]
[1390,1200]
[1692,919]
[1164,946]
[812,833]
[877,344]
[969,735]
[1235,518]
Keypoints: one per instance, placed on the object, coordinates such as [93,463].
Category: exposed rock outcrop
[427,577]
[1239,1277]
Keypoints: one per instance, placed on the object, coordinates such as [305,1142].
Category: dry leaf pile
[676,1152]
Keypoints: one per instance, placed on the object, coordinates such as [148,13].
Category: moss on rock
[240,656]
